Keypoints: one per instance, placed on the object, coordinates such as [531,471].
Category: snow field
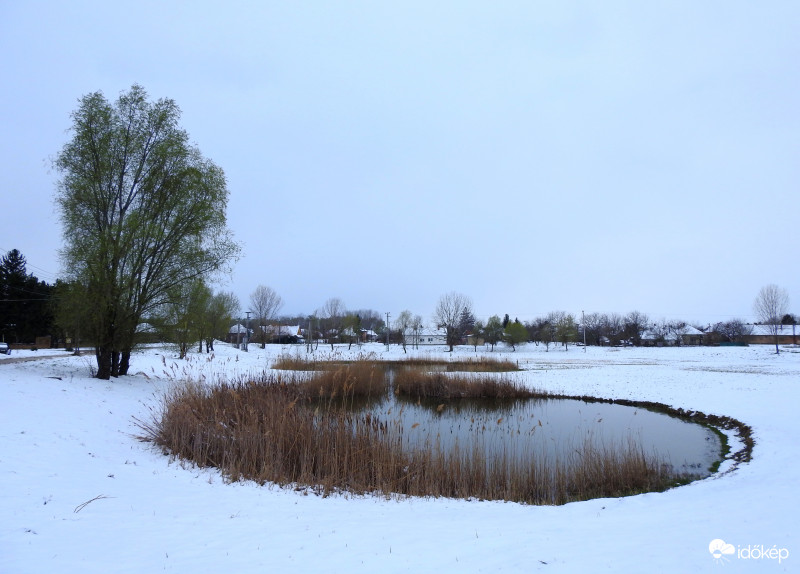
[67,439]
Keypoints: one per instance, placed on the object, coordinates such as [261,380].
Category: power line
[52,276]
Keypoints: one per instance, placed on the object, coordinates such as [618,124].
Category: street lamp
[247,330]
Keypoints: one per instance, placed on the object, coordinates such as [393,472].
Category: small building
[238,333]
[429,337]
[283,333]
[653,339]
[685,336]
[691,336]
[369,336]
[765,335]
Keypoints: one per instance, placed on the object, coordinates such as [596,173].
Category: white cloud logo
[719,549]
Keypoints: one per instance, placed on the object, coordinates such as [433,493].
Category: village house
[765,335]
[686,336]
[238,333]
[283,333]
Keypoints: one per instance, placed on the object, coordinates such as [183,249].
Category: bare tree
[403,324]
[635,325]
[770,306]
[416,329]
[678,329]
[333,311]
[734,330]
[448,313]
[660,331]
[265,304]
[592,327]
[313,323]
[371,319]
[613,327]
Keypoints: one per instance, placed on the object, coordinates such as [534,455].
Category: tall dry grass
[481,364]
[420,384]
[358,379]
[291,430]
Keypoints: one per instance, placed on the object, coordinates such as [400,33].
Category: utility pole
[387,331]
[583,322]
[247,330]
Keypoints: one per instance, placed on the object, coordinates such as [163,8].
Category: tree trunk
[103,354]
[124,362]
[115,363]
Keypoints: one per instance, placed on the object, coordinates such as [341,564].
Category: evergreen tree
[25,302]
[466,322]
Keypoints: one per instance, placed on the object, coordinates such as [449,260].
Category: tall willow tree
[142,213]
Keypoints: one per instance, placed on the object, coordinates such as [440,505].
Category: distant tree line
[194,314]
[26,306]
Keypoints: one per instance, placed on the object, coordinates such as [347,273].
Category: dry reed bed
[420,384]
[469,364]
[291,431]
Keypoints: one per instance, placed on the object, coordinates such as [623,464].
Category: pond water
[548,429]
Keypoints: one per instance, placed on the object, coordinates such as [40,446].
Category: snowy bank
[82,494]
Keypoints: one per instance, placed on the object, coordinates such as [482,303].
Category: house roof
[765,330]
[281,330]
[671,336]
[689,330]
[145,328]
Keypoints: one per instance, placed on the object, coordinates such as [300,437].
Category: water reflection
[544,429]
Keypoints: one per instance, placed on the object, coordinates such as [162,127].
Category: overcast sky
[535,156]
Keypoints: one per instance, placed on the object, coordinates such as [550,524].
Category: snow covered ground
[79,493]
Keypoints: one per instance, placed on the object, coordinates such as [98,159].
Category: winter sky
[535,156]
